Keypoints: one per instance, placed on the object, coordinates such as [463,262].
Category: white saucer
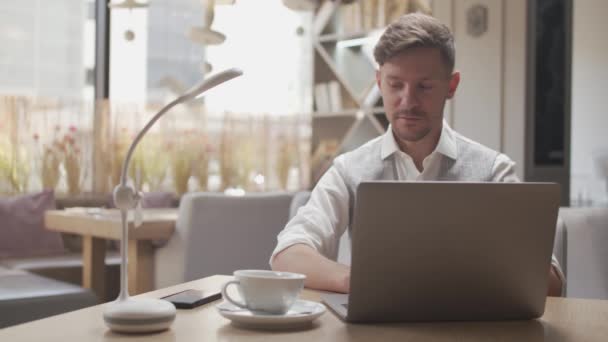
[301,315]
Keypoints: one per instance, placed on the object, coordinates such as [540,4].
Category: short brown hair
[412,31]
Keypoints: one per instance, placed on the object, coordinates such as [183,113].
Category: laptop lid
[430,251]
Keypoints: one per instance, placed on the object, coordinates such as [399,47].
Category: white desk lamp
[139,315]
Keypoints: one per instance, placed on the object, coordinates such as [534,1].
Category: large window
[250,134]
[162,57]
[276,56]
[46,93]
[47,48]
[151,56]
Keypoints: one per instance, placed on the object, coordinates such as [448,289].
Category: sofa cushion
[25,297]
[586,255]
[71,260]
[22,232]
[68,268]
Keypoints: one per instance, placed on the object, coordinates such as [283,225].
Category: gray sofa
[37,285]
[67,265]
[25,297]
[33,287]
[582,247]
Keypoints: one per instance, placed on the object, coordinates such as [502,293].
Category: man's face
[414,86]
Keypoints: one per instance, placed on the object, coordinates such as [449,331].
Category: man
[416,76]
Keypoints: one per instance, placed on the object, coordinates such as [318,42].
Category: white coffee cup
[265,291]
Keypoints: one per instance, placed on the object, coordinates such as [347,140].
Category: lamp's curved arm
[191,94]
[125,165]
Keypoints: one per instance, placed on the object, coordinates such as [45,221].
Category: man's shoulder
[364,162]
[370,149]
[465,144]
[475,161]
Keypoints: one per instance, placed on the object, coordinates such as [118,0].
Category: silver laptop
[449,251]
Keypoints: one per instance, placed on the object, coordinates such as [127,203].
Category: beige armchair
[585,251]
[218,234]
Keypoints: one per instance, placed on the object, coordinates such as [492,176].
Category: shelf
[343,55]
[347,113]
[381,117]
[331,128]
[371,95]
[349,109]
[349,67]
[342,37]
[362,131]
[327,115]
[378,110]
[352,40]
[327,60]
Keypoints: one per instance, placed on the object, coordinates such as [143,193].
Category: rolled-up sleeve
[503,170]
[560,273]
[321,222]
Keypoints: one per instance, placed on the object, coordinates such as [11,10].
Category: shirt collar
[445,146]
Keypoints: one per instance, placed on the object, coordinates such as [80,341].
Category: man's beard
[411,134]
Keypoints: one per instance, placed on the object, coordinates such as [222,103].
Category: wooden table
[565,319]
[97,225]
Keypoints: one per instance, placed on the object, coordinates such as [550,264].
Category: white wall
[477,107]
[489,106]
[514,87]
[589,99]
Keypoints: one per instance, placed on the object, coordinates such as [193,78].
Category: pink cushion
[22,232]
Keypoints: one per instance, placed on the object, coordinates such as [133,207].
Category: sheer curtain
[250,134]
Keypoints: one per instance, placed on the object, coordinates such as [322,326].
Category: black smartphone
[190,299]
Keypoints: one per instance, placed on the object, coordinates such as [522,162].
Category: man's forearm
[321,273]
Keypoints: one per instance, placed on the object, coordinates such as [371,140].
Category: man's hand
[321,273]
[346,283]
[555,283]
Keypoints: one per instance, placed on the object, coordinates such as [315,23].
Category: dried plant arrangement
[74,160]
[200,164]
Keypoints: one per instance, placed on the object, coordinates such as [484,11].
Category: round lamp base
[143,315]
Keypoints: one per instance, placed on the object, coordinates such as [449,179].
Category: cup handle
[228,298]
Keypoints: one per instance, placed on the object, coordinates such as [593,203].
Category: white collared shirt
[503,169]
[322,221]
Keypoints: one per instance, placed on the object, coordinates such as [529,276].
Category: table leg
[93,265]
[141,267]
